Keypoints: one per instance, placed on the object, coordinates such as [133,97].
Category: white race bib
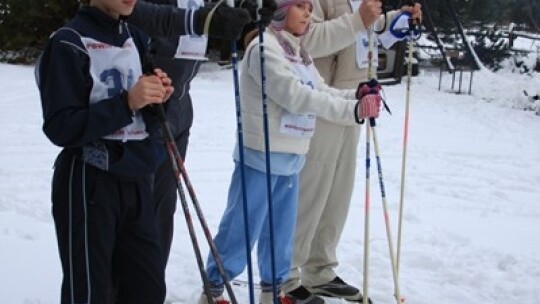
[114,69]
[362,45]
[362,50]
[192,47]
[300,125]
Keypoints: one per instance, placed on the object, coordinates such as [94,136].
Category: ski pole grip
[372,122]
[413,23]
[148,70]
[161,113]
[259,6]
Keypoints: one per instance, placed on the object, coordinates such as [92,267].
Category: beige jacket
[333,43]
[285,93]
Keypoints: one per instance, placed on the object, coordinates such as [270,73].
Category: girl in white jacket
[296,95]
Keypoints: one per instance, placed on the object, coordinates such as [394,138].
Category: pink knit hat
[280,15]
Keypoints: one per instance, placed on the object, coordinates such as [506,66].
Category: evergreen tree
[525,12]
[25,26]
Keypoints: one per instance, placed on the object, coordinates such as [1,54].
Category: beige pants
[326,185]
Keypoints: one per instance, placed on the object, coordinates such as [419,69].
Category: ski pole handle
[259,6]
[414,23]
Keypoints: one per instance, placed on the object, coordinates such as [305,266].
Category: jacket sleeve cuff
[125,102]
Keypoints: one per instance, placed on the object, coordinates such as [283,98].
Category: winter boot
[215,300]
[337,288]
[301,295]
[266,298]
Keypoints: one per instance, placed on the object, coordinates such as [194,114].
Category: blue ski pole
[267,154]
[240,134]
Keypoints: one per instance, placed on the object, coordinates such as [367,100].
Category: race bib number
[114,69]
[302,125]
[192,47]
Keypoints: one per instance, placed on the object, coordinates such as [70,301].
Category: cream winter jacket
[285,93]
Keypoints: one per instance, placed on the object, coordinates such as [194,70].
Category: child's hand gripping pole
[369,101]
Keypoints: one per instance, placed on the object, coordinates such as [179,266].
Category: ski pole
[172,151]
[240,134]
[365,299]
[179,169]
[177,164]
[405,144]
[267,155]
[385,209]
[367,206]
[371,127]
[148,69]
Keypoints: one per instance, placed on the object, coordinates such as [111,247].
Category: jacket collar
[292,45]
[99,17]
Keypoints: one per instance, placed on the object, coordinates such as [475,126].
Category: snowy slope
[472,208]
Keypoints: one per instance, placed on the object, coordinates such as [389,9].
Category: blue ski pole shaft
[267,154]
[240,134]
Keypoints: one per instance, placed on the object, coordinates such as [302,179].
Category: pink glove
[369,100]
[370,87]
[369,106]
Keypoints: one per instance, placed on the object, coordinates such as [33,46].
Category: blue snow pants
[230,239]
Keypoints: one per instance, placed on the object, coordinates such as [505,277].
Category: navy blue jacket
[164,22]
[70,121]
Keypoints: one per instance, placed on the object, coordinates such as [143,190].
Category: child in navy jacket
[94,100]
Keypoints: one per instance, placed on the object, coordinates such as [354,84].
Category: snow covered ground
[471,229]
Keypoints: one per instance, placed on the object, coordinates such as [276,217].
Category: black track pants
[165,197]
[107,236]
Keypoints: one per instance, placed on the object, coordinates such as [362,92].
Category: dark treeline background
[25,25]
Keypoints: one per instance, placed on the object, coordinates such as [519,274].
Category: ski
[245,283]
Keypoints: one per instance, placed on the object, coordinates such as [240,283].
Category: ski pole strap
[209,18]
[403,27]
[415,29]
[367,87]
[371,87]
[386,107]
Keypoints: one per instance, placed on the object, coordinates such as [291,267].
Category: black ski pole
[172,152]
[179,169]
[177,164]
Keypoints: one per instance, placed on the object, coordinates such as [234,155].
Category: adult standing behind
[179,46]
[327,179]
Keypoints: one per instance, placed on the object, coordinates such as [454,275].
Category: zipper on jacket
[120,26]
